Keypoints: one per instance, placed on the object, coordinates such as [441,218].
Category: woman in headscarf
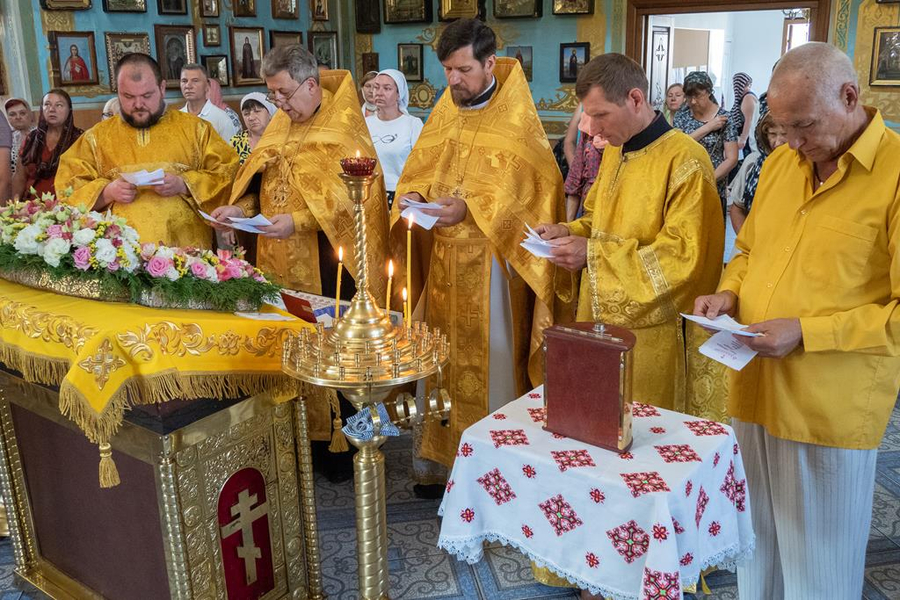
[742,111]
[214,95]
[710,125]
[257,112]
[367,89]
[39,156]
[394,131]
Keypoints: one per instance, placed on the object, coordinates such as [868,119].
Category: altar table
[636,526]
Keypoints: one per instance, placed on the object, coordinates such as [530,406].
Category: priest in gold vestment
[292,177]
[651,237]
[199,166]
[484,157]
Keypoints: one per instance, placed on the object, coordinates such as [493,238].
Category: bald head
[819,69]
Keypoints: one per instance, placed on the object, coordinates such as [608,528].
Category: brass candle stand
[365,356]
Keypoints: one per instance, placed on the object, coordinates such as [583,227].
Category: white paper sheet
[143,178]
[721,323]
[265,316]
[421,219]
[724,348]
[248,224]
[534,244]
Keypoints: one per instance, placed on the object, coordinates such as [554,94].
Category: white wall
[756,46]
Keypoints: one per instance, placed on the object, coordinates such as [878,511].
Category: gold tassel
[703,585]
[109,475]
[338,439]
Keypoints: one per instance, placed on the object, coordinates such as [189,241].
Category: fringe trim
[35,368]
[338,439]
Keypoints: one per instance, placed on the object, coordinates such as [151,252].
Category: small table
[636,526]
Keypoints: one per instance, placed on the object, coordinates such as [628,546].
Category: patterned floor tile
[882,583]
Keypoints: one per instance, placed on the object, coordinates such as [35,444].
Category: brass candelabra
[365,357]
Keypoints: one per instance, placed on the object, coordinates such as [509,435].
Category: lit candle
[387,298]
[357,154]
[409,256]
[405,308]
[337,292]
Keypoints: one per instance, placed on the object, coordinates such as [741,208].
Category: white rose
[165,252]
[105,252]
[83,237]
[54,250]
[26,241]
[130,234]
[172,274]
[211,273]
[96,216]
[132,258]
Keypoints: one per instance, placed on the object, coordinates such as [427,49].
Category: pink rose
[113,266]
[223,254]
[234,271]
[198,270]
[55,231]
[82,257]
[157,266]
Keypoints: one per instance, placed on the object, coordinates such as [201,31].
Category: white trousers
[812,510]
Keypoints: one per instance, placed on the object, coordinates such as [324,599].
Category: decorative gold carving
[102,363]
[505,34]
[189,339]
[842,24]
[565,101]
[50,328]
[173,532]
[15,497]
[422,95]
[308,502]
[555,127]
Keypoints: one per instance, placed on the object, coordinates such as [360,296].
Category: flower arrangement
[47,237]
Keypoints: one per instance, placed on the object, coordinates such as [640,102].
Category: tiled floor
[420,570]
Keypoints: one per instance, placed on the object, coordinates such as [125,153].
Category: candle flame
[390,268]
[404,294]
[357,154]
[410,219]
[341,254]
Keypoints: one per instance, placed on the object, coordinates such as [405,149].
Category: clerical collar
[484,97]
[650,134]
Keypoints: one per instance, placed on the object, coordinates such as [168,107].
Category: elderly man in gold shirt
[292,177]
[651,237]
[484,157]
[818,274]
[199,166]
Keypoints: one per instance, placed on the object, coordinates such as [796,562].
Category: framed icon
[370,62]
[409,61]
[175,47]
[324,46]
[172,7]
[524,55]
[286,9]
[285,38]
[212,35]
[518,9]
[572,58]
[368,16]
[407,11]
[245,8]
[120,44]
[573,7]
[885,70]
[74,58]
[319,10]
[125,6]
[217,67]
[246,55]
[209,8]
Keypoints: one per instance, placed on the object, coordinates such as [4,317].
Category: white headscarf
[402,88]
[261,98]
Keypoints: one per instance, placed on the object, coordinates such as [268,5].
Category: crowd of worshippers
[636,236]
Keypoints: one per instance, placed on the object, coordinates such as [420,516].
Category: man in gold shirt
[199,167]
[651,237]
[292,177]
[484,157]
[816,273]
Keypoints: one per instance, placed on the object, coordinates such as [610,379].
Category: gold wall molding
[839,36]
[565,101]
[422,95]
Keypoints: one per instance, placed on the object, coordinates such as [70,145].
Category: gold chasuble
[300,170]
[180,144]
[497,158]
[656,237]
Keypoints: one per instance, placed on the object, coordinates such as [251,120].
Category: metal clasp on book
[600,330]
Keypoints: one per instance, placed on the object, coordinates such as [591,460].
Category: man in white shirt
[195,89]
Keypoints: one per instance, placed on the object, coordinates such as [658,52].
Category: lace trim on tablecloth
[471,550]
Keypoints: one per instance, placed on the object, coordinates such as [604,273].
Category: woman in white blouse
[394,131]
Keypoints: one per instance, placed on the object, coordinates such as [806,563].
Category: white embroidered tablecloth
[636,526]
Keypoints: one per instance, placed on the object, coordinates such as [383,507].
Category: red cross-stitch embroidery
[496,485]
[529,471]
[678,453]
[465,450]
[534,395]
[706,428]
[661,586]
[687,559]
[468,515]
[449,485]
[677,526]
[592,560]
[660,532]
[560,514]
[527,531]
[735,449]
[714,528]
[559,436]
[626,456]
[568,459]
[702,501]
[537,414]
[735,490]
[629,540]
[658,429]
[645,483]
[716,460]
[509,437]
[499,416]
[644,410]
[597,496]
[688,487]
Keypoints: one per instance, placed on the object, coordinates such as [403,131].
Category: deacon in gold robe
[198,165]
[650,238]
[292,177]
[484,157]
[652,234]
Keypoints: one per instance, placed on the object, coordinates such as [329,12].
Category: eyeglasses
[273,96]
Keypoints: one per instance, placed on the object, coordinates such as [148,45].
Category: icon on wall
[217,67]
[174,48]
[120,44]
[523,54]
[572,58]
[409,61]
[246,55]
[74,58]
[323,45]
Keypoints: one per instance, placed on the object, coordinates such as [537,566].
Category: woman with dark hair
[769,135]
[703,119]
[39,156]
